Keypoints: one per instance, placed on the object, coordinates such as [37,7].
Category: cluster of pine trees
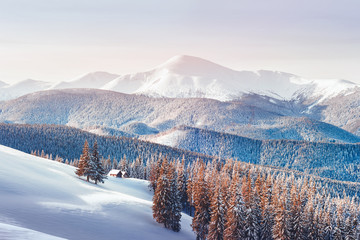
[232,201]
[166,200]
[90,165]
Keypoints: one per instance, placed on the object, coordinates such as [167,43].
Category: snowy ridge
[35,194]
[192,77]
[188,77]
[21,88]
[254,116]
[90,80]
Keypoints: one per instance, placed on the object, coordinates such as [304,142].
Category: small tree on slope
[84,162]
[98,172]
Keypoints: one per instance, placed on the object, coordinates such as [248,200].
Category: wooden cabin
[125,174]
[115,173]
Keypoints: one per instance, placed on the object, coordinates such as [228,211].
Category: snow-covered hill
[46,196]
[293,128]
[253,116]
[90,80]
[21,88]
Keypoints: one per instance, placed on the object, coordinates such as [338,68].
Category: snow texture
[46,196]
[10,232]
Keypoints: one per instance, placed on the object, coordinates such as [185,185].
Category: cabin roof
[114,171]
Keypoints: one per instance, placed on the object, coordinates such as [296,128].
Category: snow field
[45,196]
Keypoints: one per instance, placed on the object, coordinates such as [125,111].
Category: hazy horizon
[60,40]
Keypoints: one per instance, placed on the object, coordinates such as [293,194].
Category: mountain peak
[190,65]
[88,80]
[101,75]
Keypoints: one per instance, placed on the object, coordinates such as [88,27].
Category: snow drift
[46,196]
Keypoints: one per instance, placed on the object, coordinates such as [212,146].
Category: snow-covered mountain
[90,80]
[21,88]
[188,77]
[252,116]
[192,77]
[35,196]
[282,128]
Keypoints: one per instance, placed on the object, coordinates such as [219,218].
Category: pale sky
[53,40]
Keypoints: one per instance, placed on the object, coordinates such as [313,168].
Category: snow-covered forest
[235,201]
[332,160]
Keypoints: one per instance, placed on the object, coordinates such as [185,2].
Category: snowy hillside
[21,88]
[130,115]
[90,80]
[45,196]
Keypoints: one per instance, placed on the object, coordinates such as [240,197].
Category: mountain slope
[90,80]
[336,161]
[253,115]
[333,160]
[21,88]
[187,77]
[11,232]
[35,194]
[67,143]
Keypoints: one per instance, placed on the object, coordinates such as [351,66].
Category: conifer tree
[166,201]
[155,168]
[84,161]
[266,210]
[181,182]
[123,164]
[114,163]
[162,195]
[98,173]
[201,203]
[175,203]
[256,207]
[217,218]
[280,223]
[234,226]
[251,223]
[295,214]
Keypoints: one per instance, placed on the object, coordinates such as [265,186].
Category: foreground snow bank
[47,197]
[11,232]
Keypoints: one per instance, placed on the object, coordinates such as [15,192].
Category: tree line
[232,201]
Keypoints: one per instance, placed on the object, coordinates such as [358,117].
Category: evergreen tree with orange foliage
[201,203]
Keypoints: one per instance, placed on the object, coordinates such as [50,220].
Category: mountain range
[188,77]
[191,91]
[254,116]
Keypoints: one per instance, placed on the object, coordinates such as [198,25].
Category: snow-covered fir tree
[201,203]
[98,173]
[166,201]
